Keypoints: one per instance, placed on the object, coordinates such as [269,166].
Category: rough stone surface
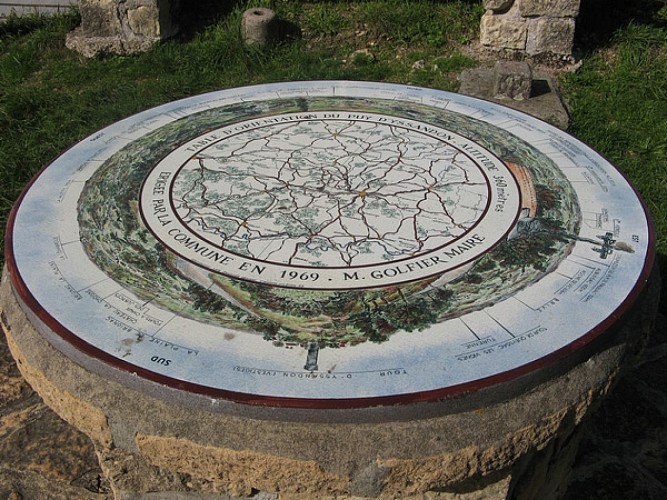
[498,5]
[144,21]
[239,472]
[498,32]
[130,477]
[41,456]
[530,26]
[549,8]
[512,80]
[81,414]
[21,484]
[259,26]
[555,36]
[545,101]
[110,26]
[99,18]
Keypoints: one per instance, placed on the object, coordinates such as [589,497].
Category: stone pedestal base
[110,26]
[520,447]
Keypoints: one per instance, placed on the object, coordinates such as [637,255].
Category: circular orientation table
[318,255]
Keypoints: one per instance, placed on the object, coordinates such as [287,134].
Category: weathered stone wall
[122,26]
[533,27]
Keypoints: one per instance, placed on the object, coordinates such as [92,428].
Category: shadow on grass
[16,25]
[661,259]
[195,15]
[599,19]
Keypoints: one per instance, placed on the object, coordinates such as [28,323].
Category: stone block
[498,5]
[99,18]
[501,33]
[111,26]
[547,35]
[259,26]
[144,21]
[512,80]
[549,8]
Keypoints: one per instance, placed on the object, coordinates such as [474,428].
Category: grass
[50,98]
[619,103]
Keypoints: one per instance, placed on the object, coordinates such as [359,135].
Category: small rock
[512,80]
[419,64]
[362,55]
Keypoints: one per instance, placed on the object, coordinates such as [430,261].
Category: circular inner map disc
[327,244]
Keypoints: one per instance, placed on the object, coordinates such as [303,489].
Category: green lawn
[50,97]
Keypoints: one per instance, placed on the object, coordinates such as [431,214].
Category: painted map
[320,193]
[320,189]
